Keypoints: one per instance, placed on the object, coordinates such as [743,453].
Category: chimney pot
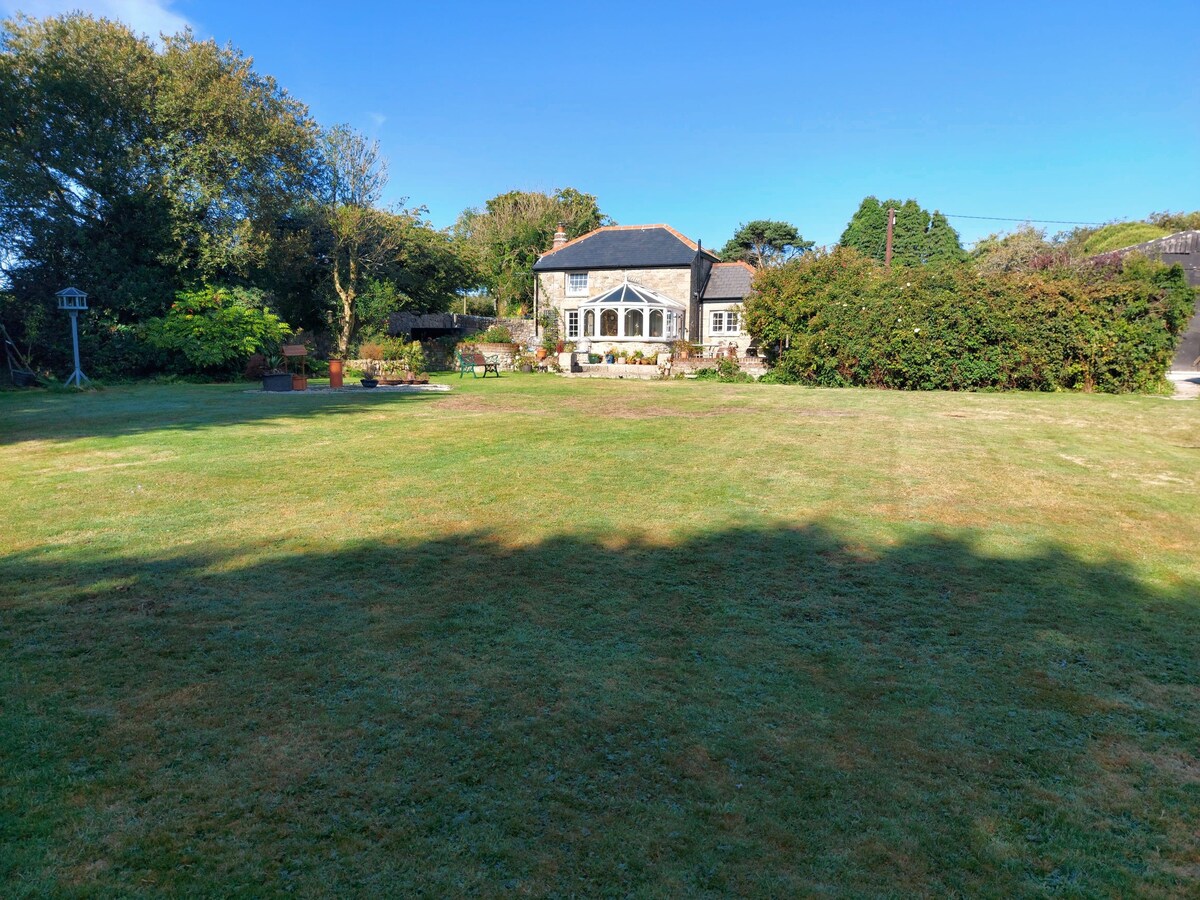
[560,236]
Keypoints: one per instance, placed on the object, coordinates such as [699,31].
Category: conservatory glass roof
[632,294]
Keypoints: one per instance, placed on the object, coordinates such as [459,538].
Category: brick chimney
[560,236]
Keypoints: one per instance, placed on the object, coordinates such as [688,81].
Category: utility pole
[887,256]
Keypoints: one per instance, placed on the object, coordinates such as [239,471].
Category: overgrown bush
[839,318]
[496,334]
[212,331]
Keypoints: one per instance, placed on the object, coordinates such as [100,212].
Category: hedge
[840,319]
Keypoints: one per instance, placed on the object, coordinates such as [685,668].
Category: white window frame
[733,322]
[572,323]
[577,291]
[718,321]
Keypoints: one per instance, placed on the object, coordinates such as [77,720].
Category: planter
[527,368]
[369,382]
[609,358]
[335,373]
[541,353]
[277,381]
[299,382]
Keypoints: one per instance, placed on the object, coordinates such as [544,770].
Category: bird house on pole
[73,300]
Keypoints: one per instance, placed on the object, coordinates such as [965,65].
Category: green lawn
[543,636]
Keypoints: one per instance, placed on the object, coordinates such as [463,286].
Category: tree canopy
[765,242]
[918,237]
[138,171]
[503,240]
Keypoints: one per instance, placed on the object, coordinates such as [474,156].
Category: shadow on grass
[138,409]
[762,712]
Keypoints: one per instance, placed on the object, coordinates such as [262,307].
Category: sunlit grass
[553,636]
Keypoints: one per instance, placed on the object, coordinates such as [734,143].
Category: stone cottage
[641,287]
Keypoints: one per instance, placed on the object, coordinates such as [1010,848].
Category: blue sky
[703,115]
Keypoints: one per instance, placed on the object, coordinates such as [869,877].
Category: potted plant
[370,377]
[610,355]
[275,377]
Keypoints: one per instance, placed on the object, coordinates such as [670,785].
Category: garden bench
[472,361]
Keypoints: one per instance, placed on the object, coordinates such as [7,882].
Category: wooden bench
[472,361]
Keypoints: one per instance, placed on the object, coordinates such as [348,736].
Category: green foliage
[132,171]
[213,330]
[840,319]
[765,242]
[496,334]
[1173,222]
[502,241]
[377,301]
[1024,249]
[918,237]
[1121,235]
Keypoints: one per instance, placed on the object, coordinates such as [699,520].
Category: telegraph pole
[887,256]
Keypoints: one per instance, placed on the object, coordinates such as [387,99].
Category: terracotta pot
[542,353]
[299,383]
[335,373]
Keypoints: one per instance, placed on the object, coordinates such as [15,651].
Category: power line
[1037,221]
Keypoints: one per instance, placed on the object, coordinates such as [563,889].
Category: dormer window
[577,284]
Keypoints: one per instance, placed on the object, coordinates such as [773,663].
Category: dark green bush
[212,331]
[841,319]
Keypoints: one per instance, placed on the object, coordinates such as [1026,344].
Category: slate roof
[728,281]
[623,247]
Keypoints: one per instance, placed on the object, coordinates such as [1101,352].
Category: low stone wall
[505,353]
[752,365]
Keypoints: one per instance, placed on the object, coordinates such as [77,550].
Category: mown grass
[543,636]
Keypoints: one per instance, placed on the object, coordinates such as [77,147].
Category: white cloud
[378,119]
[150,17]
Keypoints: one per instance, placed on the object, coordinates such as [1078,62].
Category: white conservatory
[631,312]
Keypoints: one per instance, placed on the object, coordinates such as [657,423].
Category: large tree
[918,236]
[363,237]
[134,171]
[765,242]
[503,240]
[379,258]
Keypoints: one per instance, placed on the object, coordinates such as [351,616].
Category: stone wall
[450,323]
[675,283]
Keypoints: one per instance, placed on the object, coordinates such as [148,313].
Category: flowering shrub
[213,330]
[841,319]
